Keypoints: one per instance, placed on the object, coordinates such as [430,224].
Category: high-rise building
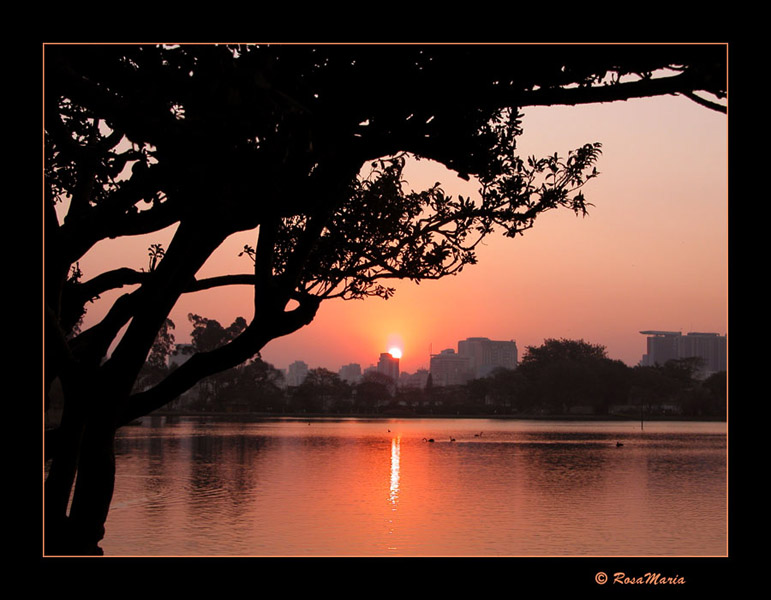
[415,380]
[662,346]
[711,347]
[449,368]
[487,355]
[350,373]
[388,365]
[298,371]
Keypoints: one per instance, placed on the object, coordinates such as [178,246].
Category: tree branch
[108,280]
[235,352]
[683,83]
[706,103]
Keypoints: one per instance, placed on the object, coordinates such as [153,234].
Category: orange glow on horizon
[651,254]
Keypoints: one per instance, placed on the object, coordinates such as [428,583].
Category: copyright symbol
[601,578]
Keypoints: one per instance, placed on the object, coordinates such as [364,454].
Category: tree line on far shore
[559,377]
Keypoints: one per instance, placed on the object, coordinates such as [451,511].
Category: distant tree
[553,349]
[163,346]
[677,383]
[565,373]
[614,385]
[208,334]
[684,370]
[717,385]
[320,388]
[219,139]
[510,389]
[156,367]
[411,397]
[716,394]
[254,386]
[373,390]
[652,385]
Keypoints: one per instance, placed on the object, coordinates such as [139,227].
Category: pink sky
[652,254]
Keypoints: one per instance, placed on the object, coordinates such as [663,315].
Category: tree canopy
[218,139]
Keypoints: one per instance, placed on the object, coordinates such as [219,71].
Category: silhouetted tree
[676,383]
[218,139]
[319,390]
[652,386]
[208,335]
[563,349]
[715,394]
[565,373]
[373,390]
[717,385]
[684,370]
[509,389]
[156,365]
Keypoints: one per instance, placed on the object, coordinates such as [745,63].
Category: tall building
[662,346]
[415,380]
[388,365]
[487,355]
[350,373]
[712,347]
[449,368]
[298,371]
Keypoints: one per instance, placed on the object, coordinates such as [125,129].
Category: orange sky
[652,254]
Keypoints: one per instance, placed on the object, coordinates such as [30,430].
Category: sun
[395,351]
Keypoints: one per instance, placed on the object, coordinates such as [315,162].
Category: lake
[359,487]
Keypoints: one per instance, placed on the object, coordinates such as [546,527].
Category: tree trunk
[64,448]
[83,456]
[94,486]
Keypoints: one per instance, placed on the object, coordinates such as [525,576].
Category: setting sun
[395,352]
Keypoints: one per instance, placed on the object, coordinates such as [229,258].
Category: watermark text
[646,579]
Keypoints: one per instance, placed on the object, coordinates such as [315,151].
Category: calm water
[352,487]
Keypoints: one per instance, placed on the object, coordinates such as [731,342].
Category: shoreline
[392,417]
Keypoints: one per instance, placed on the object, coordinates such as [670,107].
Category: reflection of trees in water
[216,487]
[224,468]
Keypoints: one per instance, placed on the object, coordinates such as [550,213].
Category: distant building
[449,368]
[350,373]
[487,355]
[297,373]
[388,365]
[662,346]
[712,347]
[415,380]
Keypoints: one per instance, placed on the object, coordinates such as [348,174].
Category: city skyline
[362,367]
[652,253]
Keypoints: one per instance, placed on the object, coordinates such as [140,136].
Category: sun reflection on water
[395,457]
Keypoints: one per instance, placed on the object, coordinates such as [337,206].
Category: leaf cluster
[383,232]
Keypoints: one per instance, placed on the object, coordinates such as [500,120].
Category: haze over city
[651,254]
